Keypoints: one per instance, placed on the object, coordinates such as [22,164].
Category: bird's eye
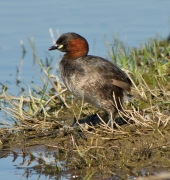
[64,42]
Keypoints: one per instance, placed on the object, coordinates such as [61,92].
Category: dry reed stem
[5,97]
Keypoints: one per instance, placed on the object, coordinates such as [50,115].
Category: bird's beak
[53,47]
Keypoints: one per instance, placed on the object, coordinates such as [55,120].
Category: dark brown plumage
[90,78]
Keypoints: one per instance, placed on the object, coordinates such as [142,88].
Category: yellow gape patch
[60,46]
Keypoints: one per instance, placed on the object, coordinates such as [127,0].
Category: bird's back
[94,79]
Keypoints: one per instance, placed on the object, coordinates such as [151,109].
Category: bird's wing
[107,72]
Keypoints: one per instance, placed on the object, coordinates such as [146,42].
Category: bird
[93,79]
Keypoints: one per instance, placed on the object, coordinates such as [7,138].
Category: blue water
[133,21]
[98,21]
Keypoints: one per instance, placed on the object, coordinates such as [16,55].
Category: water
[98,21]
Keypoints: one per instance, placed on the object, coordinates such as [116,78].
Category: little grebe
[90,78]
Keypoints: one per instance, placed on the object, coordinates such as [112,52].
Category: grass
[45,119]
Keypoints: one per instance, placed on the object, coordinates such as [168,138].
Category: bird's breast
[72,74]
